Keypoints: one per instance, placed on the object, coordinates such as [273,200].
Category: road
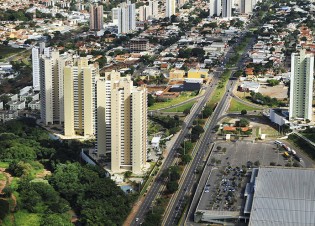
[153,192]
[187,186]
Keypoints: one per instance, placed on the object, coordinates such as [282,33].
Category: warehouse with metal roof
[283,196]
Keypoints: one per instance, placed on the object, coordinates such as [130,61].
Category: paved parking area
[240,152]
[227,172]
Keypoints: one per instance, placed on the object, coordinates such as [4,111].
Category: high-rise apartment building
[226,8]
[122,122]
[246,6]
[144,13]
[35,66]
[215,8]
[154,9]
[51,87]
[170,8]
[37,52]
[126,13]
[80,98]
[301,86]
[96,17]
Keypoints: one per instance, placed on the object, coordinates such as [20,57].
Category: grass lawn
[236,106]
[4,165]
[181,98]
[220,90]
[309,136]
[2,177]
[6,51]
[181,108]
[23,218]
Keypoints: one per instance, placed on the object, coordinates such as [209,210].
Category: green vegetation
[220,90]
[168,103]
[171,123]
[181,108]
[273,82]
[4,165]
[236,106]
[6,51]
[309,133]
[258,98]
[302,144]
[82,189]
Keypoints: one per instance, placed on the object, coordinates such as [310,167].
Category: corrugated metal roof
[284,197]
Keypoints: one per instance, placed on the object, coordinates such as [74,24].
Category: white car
[137,219]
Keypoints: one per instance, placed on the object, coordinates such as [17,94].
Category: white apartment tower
[154,9]
[144,13]
[170,8]
[215,7]
[126,14]
[122,122]
[37,52]
[80,98]
[301,86]
[35,66]
[51,87]
[226,8]
[246,6]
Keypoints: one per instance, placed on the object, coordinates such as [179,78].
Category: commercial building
[198,73]
[279,116]
[170,8]
[125,17]
[96,17]
[51,87]
[226,8]
[215,8]
[122,122]
[301,86]
[177,74]
[80,98]
[282,196]
[138,45]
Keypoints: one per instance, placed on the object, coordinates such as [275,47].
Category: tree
[56,220]
[207,112]
[186,159]
[172,186]
[186,111]
[127,174]
[151,100]
[257,163]
[273,82]
[243,112]
[197,130]
[243,122]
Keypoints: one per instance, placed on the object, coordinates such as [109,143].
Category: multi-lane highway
[186,187]
[169,161]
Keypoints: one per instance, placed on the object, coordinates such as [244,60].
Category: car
[137,219]
[207,190]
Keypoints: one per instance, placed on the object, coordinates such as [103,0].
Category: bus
[286,155]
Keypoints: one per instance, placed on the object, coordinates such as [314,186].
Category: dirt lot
[280,91]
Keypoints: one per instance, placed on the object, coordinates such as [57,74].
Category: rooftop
[284,196]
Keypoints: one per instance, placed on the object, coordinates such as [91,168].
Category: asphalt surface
[222,106]
[154,190]
[189,180]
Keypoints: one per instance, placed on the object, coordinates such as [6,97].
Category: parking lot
[226,172]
